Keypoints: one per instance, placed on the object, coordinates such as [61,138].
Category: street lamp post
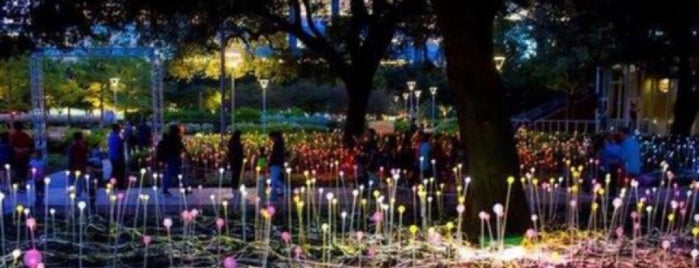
[417,102]
[406,96]
[411,87]
[234,58]
[396,100]
[499,62]
[433,92]
[263,84]
[114,83]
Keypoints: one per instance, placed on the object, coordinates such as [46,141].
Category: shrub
[448,126]
[402,126]
[278,126]
[247,115]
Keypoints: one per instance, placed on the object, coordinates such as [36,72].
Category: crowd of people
[19,159]
[417,153]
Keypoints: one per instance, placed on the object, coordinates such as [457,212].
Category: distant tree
[351,45]
[84,83]
[573,37]
[15,19]
[14,83]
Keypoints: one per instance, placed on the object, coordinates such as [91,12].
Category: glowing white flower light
[498,209]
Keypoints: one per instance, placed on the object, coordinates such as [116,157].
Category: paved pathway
[59,200]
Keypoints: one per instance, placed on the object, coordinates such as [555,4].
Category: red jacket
[22,145]
[77,156]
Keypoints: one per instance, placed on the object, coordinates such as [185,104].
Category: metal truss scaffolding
[38,114]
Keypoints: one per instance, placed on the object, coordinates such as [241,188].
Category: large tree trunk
[358,91]
[687,100]
[467,29]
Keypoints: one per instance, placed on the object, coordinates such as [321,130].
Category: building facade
[630,96]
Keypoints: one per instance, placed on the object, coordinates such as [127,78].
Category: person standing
[630,154]
[77,160]
[608,151]
[365,159]
[129,138]
[5,158]
[38,166]
[235,159]
[117,157]
[276,162]
[633,115]
[172,151]
[22,148]
[424,153]
[261,167]
[144,135]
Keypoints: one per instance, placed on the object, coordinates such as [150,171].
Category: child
[36,166]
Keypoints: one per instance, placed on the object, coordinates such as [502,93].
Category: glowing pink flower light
[229,262]
[219,224]
[617,202]
[297,252]
[377,217]
[271,210]
[435,238]
[187,216]
[31,223]
[360,235]
[286,237]
[665,244]
[32,258]
[483,215]
[619,231]
[530,233]
[460,208]
[146,239]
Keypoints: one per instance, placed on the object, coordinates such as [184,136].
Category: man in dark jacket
[117,156]
[77,160]
[276,162]
[22,147]
[235,159]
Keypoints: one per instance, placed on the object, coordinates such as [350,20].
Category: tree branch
[359,14]
[317,44]
[295,6]
[309,18]
[382,24]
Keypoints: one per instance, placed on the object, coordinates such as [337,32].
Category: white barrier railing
[561,126]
